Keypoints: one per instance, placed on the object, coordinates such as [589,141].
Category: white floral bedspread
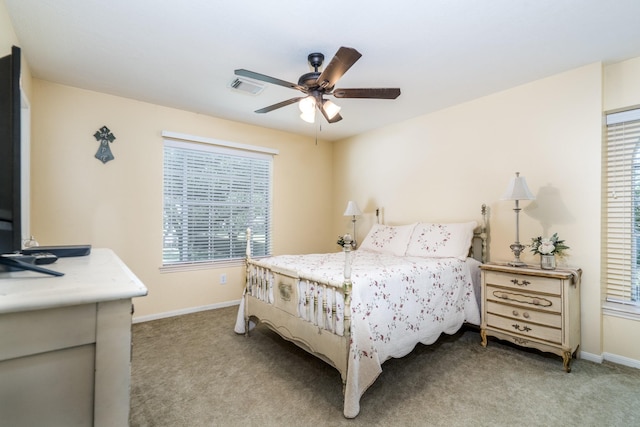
[397,302]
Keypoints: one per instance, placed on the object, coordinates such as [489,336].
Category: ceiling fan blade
[344,58]
[379,93]
[279,105]
[268,79]
[335,118]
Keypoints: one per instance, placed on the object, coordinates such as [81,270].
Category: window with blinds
[212,195]
[622,207]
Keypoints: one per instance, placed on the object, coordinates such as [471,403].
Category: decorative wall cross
[104,136]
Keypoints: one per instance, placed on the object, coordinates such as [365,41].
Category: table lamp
[353,210]
[517,190]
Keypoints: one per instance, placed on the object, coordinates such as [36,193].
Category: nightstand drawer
[548,303]
[517,313]
[520,327]
[527,283]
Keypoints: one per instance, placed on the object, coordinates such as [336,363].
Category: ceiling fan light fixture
[307,105]
[309,116]
[330,108]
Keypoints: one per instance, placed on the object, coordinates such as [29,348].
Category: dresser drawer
[524,283]
[520,327]
[553,320]
[530,300]
[25,333]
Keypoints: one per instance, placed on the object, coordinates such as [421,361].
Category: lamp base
[517,263]
[517,249]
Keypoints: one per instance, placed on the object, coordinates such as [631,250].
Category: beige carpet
[193,370]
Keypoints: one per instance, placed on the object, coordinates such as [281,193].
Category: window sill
[177,268]
[626,311]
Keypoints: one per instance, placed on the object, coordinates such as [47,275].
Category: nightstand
[532,308]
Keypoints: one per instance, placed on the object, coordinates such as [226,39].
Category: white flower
[546,247]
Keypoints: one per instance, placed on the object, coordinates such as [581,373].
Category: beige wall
[622,85]
[445,165]
[76,199]
[621,335]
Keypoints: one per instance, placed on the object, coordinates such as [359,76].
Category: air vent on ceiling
[246,86]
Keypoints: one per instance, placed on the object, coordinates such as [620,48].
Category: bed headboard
[479,249]
[479,243]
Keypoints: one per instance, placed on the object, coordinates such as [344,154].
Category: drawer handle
[516,313]
[521,298]
[518,283]
[521,328]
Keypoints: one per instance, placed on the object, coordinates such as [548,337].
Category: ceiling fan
[315,85]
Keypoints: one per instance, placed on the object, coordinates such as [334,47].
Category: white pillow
[436,240]
[388,239]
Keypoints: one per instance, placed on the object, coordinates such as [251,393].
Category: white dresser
[533,308]
[65,343]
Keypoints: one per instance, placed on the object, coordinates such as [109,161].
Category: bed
[355,309]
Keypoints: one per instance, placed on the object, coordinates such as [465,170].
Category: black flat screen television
[10,193]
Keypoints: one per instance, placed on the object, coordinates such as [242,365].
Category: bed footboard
[313,315]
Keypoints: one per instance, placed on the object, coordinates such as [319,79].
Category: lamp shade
[352,209]
[330,108]
[518,189]
[309,116]
[307,104]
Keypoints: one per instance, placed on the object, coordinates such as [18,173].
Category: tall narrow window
[212,194]
[622,207]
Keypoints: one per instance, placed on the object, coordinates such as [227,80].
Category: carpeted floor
[193,370]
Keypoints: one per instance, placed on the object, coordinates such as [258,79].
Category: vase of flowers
[548,248]
[548,262]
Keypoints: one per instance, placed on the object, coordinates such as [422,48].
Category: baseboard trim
[597,358]
[166,314]
[610,357]
[621,360]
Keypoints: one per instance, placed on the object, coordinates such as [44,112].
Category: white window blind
[212,195]
[622,207]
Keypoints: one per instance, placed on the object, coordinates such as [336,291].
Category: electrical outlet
[223,279]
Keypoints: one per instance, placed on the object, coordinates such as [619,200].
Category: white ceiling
[440,53]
